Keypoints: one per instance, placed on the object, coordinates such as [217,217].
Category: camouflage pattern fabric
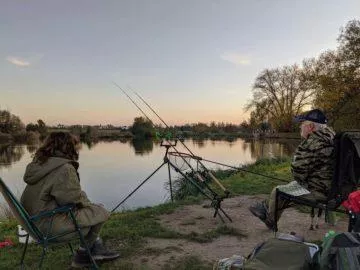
[293,188]
[312,165]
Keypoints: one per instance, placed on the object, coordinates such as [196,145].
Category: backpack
[282,253]
[353,202]
[339,252]
[346,166]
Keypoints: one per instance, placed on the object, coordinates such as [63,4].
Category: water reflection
[31,148]
[10,154]
[270,148]
[267,148]
[110,170]
[90,143]
[142,147]
[200,143]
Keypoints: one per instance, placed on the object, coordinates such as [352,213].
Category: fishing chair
[346,179]
[29,224]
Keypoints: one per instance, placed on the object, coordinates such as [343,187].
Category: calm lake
[109,171]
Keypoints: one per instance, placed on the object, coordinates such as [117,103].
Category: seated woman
[52,181]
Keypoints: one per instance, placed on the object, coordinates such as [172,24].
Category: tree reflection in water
[142,146]
[90,143]
[270,148]
[264,148]
[9,154]
[32,148]
[200,143]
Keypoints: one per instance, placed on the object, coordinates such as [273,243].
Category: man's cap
[315,115]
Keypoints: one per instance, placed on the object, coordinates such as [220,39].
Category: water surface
[109,171]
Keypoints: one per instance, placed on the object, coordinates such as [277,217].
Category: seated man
[312,167]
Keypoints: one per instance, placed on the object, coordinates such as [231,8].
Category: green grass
[245,183]
[125,232]
[128,231]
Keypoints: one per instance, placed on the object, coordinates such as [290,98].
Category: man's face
[306,128]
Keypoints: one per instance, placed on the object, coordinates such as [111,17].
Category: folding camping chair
[346,179]
[28,223]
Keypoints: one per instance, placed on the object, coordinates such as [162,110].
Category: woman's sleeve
[67,189]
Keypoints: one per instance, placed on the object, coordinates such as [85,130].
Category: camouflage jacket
[312,165]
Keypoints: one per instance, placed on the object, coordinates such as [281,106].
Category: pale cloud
[18,61]
[236,58]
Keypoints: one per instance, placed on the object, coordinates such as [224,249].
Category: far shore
[117,134]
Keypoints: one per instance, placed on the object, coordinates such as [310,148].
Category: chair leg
[276,213]
[312,218]
[82,241]
[318,218]
[71,249]
[24,251]
[42,256]
[351,222]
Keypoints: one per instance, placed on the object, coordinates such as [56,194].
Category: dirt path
[197,218]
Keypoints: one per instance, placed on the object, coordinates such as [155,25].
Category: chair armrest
[62,209]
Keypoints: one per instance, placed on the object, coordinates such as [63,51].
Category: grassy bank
[128,231]
[249,184]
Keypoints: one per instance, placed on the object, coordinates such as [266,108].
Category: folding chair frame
[45,240]
[335,197]
[321,205]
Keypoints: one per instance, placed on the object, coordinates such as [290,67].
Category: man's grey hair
[319,126]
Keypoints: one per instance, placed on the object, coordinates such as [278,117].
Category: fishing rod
[216,199]
[197,175]
[216,203]
[229,166]
[226,192]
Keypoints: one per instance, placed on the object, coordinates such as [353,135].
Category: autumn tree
[278,95]
[39,127]
[335,76]
[143,128]
[10,123]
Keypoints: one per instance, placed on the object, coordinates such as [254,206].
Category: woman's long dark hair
[57,144]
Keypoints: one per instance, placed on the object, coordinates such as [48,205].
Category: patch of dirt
[199,219]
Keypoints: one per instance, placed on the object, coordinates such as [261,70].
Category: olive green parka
[56,183]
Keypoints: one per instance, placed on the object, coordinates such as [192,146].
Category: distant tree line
[39,127]
[143,128]
[9,123]
[13,129]
[330,82]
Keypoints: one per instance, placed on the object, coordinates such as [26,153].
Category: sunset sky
[192,60]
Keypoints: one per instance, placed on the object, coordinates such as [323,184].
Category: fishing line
[230,166]
[197,174]
[241,169]
[227,193]
[214,195]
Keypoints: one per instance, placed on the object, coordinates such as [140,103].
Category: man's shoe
[259,210]
[81,259]
[101,253]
